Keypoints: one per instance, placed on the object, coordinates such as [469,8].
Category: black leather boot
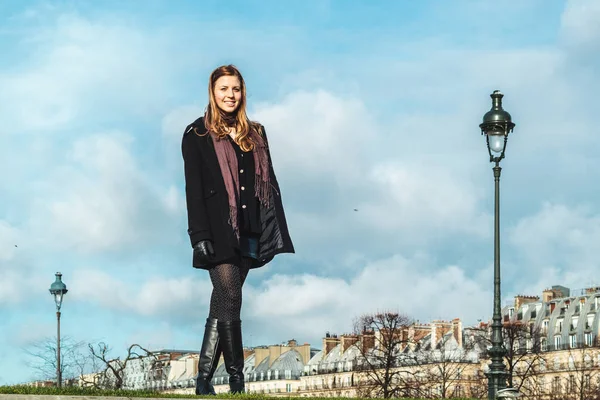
[209,358]
[230,339]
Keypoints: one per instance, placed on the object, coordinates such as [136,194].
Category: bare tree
[42,354]
[524,358]
[448,367]
[386,368]
[581,374]
[523,354]
[113,370]
[478,385]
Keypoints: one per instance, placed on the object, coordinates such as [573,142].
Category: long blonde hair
[213,117]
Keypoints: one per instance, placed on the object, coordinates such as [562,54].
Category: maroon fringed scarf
[229,169]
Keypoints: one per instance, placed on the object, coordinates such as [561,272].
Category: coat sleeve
[198,225]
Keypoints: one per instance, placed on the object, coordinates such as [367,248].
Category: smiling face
[228,93]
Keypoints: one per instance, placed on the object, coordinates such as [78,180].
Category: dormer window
[573,340]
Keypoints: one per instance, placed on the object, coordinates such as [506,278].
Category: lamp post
[496,126]
[58,289]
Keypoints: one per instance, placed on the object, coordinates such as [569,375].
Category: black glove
[203,252]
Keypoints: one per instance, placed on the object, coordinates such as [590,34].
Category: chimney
[292,343]
[547,295]
[347,341]
[248,352]
[438,330]
[520,300]
[457,331]
[329,342]
[592,290]
[367,339]
[275,351]
[304,351]
[417,332]
[260,353]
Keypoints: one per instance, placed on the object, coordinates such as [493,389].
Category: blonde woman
[236,220]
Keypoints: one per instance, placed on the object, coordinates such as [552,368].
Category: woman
[235,215]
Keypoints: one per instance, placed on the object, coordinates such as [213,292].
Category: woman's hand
[203,252]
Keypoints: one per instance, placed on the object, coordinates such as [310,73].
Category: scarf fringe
[233,212]
[262,190]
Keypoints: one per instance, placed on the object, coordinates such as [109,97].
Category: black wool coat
[208,206]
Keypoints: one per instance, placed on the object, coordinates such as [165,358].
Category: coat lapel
[207,149]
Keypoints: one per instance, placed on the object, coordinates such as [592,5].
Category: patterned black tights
[226,297]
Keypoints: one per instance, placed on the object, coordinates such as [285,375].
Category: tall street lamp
[58,289]
[496,126]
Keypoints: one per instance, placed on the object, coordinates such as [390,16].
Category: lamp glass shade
[58,298]
[496,143]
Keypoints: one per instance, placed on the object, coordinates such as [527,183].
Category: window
[559,325]
[545,325]
[589,339]
[587,381]
[571,383]
[556,384]
[573,341]
[589,322]
[544,344]
[511,311]
[557,341]
[574,322]
[288,387]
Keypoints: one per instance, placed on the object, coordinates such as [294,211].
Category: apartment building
[558,354]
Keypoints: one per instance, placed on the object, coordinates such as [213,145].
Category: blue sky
[368,105]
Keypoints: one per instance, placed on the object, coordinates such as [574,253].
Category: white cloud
[77,66]
[101,199]
[316,134]
[558,245]
[306,305]
[156,296]
[424,198]
[580,23]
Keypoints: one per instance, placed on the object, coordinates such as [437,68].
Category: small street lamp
[496,125]
[58,289]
